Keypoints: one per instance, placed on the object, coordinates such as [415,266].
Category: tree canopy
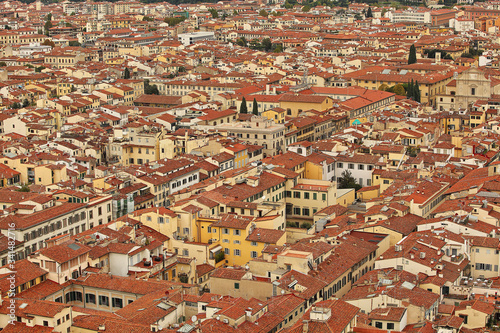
[412,56]
[346,180]
[243,106]
[255,107]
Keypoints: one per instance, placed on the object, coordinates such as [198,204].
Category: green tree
[126,73]
[255,44]
[235,12]
[39,69]
[410,90]
[243,106]
[358,17]
[48,24]
[15,106]
[24,188]
[148,19]
[3,64]
[242,42]
[183,278]
[214,13]
[416,92]
[219,257]
[278,49]
[173,21]
[369,12]
[412,56]
[150,89]
[267,44]
[305,225]
[255,107]
[26,103]
[346,180]
[383,87]
[306,8]
[74,43]
[399,90]
[263,13]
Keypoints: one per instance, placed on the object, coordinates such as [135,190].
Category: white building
[462,24]
[410,15]
[193,37]
[360,167]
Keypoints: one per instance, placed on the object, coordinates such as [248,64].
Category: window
[226,251]
[464,317]
[254,243]
[253,254]
[386,181]
[237,252]
[323,196]
[90,298]
[236,232]
[315,196]
[340,165]
[378,324]
[296,195]
[103,300]
[473,91]
[483,267]
[306,195]
[361,167]
[236,285]
[45,323]
[117,302]
[350,166]
[390,326]
[225,231]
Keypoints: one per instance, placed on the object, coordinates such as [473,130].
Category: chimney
[305,326]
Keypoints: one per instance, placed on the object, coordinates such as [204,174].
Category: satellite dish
[193,319]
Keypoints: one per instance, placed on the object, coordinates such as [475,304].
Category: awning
[216,249]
